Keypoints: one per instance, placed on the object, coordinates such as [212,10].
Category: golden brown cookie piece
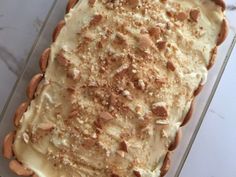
[57,30]
[43,62]
[7,145]
[33,85]
[176,141]
[188,115]
[19,112]
[194,14]
[198,90]
[70,5]
[213,58]
[137,173]
[223,33]
[19,169]
[220,3]
[166,165]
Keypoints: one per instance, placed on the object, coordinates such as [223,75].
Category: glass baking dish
[31,68]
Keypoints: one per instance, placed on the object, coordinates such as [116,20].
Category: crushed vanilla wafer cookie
[118,83]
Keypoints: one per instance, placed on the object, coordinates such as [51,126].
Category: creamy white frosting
[72,97]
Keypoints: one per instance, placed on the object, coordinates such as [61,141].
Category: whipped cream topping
[119,82]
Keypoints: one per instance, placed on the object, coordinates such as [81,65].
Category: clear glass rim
[27,61]
[190,144]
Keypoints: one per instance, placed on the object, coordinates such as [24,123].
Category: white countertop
[213,153]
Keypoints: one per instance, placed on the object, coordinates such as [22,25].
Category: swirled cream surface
[119,82]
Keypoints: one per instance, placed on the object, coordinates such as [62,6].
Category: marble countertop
[213,152]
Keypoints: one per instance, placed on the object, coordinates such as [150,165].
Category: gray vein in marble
[3,27]
[10,60]
[217,114]
[231,7]
[37,24]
